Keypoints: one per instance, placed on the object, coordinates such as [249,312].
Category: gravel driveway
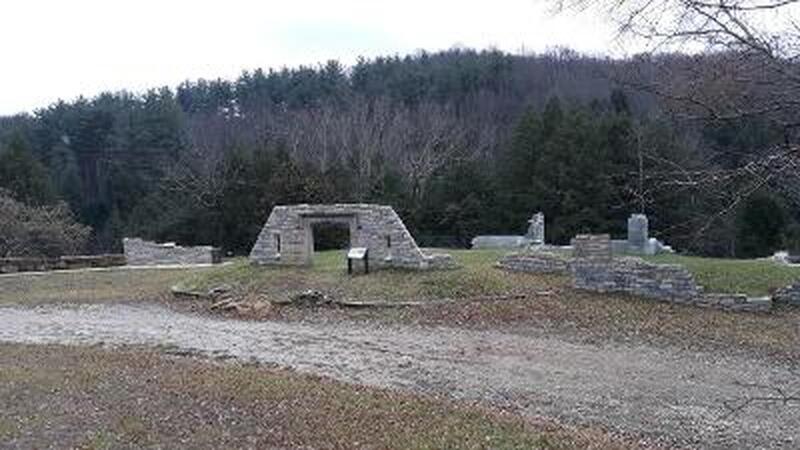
[657,393]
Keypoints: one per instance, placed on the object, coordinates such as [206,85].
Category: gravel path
[657,393]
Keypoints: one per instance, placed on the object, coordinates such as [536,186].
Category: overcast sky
[58,49]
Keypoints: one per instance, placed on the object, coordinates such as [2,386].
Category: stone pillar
[638,236]
[536,229]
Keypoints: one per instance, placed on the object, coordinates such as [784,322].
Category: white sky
[60,49]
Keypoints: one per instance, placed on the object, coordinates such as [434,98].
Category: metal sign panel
[357,253]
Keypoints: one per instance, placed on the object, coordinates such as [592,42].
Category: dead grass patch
[91,286]
[143,399]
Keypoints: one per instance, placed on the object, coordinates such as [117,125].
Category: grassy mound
[476,277]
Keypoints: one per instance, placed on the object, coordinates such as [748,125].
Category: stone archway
[287,238]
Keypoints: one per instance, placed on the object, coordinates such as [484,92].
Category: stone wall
[502,242]
[287,237]
[592,267]
[789,295]
[139,252]
[592,247]
[14,265]
[535,262]
[635,276]
[533,237]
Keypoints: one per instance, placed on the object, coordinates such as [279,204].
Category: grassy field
[475,278]
[90,286]
[90,398]
[752,277]
[531,301]
[526,301]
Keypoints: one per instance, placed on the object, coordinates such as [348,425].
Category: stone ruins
[139,252]
[288,238]
[639,241]
[786,257]
[534,236]
[27,264]
[788,295]
[593,267]
[536,229]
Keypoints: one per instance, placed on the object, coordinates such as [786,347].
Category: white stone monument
[536,229]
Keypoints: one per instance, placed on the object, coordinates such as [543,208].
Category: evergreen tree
[24,176]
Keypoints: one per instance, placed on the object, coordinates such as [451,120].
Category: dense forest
[460,142]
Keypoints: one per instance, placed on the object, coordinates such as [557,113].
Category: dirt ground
[661,394]
[94,398]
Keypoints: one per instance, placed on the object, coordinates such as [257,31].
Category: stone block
[638,231]
[593,247]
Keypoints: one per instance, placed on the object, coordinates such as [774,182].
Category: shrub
[39,231]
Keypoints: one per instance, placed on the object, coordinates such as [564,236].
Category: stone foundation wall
[139,252]
[14,265]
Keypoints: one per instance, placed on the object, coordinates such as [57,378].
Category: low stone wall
[535,262]
[633,275]
[593,268]
[502,242]
[14,265]
[734,302]
[789,295]
[440,261]
[139,252]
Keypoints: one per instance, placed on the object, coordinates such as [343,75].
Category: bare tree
[742,61]
[39,231]
[432,138]
[749,52]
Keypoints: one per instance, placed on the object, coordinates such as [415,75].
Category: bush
[39,231]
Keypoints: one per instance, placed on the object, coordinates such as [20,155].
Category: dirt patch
[564,311]
[137,398]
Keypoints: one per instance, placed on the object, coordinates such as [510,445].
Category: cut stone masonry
[287,238]
[593,267]
[139,252]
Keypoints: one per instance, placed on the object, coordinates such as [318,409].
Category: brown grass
[89,286]
[91,398]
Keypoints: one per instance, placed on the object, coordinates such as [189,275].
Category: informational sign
[357,253]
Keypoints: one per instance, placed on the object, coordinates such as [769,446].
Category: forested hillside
[459,142]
